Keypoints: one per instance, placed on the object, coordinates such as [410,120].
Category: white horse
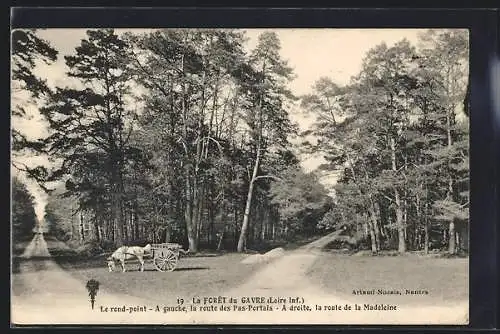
[127,253]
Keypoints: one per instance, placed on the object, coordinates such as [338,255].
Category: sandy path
[52,296]
[286,277]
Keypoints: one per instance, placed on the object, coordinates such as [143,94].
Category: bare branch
[181,140]
[216,142]
[30,174]
[268,177]
[390,199]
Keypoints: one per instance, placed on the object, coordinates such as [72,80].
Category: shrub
[89,249]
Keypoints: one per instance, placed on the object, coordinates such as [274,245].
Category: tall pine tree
[90,125]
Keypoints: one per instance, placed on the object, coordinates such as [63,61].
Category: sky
[313,53]
[336,53]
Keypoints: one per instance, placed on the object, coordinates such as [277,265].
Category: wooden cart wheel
[166,261]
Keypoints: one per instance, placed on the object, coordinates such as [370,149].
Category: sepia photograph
[240,176]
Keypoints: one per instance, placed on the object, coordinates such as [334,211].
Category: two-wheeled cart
[166,255]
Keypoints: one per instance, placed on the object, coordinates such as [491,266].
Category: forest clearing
[305,271]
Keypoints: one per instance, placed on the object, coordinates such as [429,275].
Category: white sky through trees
[312,53]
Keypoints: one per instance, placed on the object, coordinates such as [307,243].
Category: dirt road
[287,277]
[50,295]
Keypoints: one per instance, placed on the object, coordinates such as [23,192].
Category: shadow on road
[154,270]
[191,268]
[34,263]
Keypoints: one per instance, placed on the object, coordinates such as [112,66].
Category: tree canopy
[185,135]
[402,144]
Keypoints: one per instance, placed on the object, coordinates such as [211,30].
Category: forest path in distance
[43,293]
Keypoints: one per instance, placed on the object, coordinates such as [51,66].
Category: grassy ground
[200,275]
[194,276]
[446,280]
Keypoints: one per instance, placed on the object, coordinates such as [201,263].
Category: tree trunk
[136,225]
[96,230]
[198,212]
[190,229]
[263,226]
[451,234]
[405,221]
[452,238]
[445,234]
[244,226]
[197,185]
[73,229]
[426,237]
[188,217]
[126,231]
[378,233]
[372,236]
[195,212]
[373,228]
[399,222]
[133,225]
[116,208]
[188,211]
[219,244]
[210,223]
[465,238]
[236,223]
[426,232]
[82,231]
[168,232]
[397,200]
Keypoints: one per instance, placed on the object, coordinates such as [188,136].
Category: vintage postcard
[240,176]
